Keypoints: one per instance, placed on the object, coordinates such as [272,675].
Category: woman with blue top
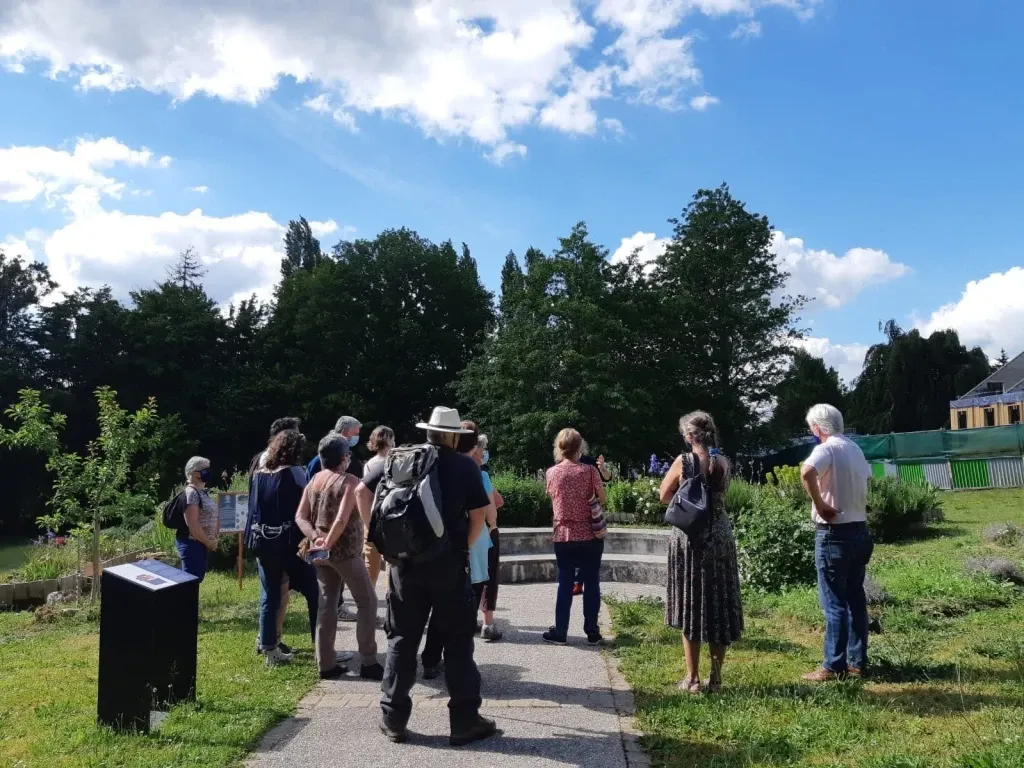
[489,596]
[478,570]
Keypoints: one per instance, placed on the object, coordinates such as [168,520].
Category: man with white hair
[836,477]
[348,427]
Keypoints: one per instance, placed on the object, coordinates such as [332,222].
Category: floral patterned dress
[703,588]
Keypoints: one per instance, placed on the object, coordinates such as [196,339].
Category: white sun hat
[445,420]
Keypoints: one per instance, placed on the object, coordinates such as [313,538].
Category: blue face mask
[204,475]
[353,441]
[487,457]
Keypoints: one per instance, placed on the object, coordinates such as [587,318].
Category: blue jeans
[584,557]
[194,557]
[272,565]
[841,555]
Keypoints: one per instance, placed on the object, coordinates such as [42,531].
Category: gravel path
[557,706]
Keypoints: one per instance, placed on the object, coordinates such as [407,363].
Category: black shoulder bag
[691,507]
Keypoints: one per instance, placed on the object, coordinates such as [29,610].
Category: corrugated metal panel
[970,474]
[891,470]
[911,473]
[1006,472]
[938,474]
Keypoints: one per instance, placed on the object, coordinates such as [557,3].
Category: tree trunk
[95,593]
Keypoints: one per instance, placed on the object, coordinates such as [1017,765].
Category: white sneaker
[276,657]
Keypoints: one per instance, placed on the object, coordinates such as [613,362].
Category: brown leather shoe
[822,675]
[856,673]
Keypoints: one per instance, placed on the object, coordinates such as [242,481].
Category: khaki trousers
[331,575]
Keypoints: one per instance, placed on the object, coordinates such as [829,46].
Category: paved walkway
[557,706]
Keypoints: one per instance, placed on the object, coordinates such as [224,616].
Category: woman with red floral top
[571,486]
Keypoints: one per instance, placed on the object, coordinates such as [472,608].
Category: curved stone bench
[634,555]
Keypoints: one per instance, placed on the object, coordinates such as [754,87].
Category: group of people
[307,526]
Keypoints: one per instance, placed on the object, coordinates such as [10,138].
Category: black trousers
[434,646]
[415,590]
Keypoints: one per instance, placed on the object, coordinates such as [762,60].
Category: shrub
[1004,534]
[896,508]
[998,568]
[776,545]
[741,499]
[526,502]
[786,484]
[620,499]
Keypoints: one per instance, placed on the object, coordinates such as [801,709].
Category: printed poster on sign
[232,509]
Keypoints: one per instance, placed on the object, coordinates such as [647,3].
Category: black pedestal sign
[149,620]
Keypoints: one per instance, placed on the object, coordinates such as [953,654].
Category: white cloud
[702,102]
[989,314]
[456,68]
[202,189]
[847,359]
[747,30]
[650,247]
[15,247]
[322,105]
[831,281]
[504,151]
[29,173]
[99,245]
[323,228]
[613,125]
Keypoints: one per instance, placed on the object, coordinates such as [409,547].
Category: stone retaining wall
[27,594]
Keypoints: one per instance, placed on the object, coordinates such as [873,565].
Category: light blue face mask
[487,457]
[353,441]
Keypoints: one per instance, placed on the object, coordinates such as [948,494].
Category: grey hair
[332,450]
[481,442]
[347,422]
[827,418]
[195,464]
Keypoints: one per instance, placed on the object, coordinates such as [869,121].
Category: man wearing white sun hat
[439,583]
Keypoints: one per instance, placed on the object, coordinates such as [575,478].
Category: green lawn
[949,684]
[48,689]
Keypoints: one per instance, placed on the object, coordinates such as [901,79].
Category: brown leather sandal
[689,686]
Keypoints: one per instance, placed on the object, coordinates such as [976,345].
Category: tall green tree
[908,380]
[559,356]
[724,322]
[22,286]
[807,382]
[301,250]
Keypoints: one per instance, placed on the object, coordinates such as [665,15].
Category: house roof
[1011,376]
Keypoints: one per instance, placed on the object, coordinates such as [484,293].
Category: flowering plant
[656,467]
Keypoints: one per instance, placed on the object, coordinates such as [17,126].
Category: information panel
[232,509]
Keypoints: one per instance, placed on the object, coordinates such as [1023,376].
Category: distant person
[836,477]
[200,535]
[274,495]
[259,461]
[571,486]
[703,587]
[440,585]
[348,427]
[606,476]
[328,517]
[382,440]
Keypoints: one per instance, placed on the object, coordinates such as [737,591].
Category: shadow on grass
[923,701]
[674,751]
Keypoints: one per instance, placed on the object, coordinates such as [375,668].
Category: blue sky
[881,139]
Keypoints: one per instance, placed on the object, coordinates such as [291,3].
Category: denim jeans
[841,555]
[194,557]
[301,578]
[584,557]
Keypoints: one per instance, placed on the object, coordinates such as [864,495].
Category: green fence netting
[943,443]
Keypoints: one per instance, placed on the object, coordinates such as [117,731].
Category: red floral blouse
[571,486]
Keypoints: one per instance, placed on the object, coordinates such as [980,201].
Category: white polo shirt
[843,475]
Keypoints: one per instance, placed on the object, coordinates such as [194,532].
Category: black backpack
[690,509]
[406,523]
[174,512]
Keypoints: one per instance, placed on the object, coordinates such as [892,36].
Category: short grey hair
[195,464]
[481,442]
[347,422]
[827,418]
[332,450]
